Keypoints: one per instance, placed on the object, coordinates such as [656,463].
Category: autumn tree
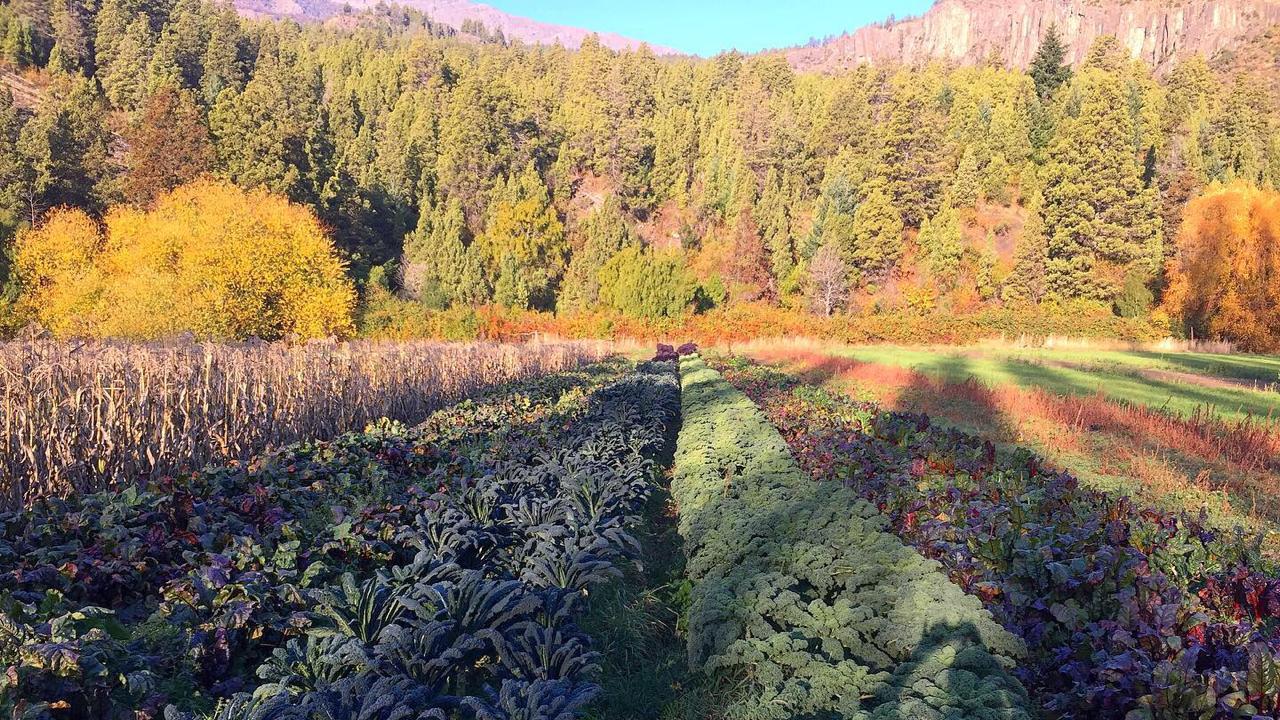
[748,271]
[168,145]
[827,282]
[208,258]
[1225,280]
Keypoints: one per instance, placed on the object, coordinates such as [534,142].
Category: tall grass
[89,416]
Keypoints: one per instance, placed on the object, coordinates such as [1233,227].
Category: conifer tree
[1048,68]
[1027,281]
[605,232]
[942,245]
[12,173]
[524,232]
[773,214]
[912,157]
[1098,217]
[965,188]
[876,236]
[66,150]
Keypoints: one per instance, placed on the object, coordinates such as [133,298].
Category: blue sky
[705,28]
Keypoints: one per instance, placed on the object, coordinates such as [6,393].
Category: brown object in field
[90,416]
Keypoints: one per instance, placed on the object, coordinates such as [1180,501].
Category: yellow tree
[1225,281]
[208,258]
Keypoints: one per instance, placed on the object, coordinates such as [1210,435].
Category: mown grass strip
[802,597]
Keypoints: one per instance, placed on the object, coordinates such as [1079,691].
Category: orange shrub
[1225,281]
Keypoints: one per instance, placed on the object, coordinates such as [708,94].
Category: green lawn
[1117,374]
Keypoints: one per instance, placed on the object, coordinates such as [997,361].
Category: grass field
[1233,386]
[1187,431]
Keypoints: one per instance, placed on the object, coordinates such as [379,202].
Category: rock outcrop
[968,31]
[448,12]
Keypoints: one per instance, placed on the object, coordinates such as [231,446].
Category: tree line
[460,170]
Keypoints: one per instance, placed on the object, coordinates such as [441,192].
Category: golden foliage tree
[1225,280]
[208,258]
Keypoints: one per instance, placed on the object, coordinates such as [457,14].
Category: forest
[403,178]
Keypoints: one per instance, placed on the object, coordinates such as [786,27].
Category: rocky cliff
[448,12]
[967,31]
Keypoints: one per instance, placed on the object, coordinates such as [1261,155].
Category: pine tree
[475,144]
[1030,254]
[773,214]
[66,150]
[911,162]
[168,146]
[605,232]
[942,245]
[124,73]
[12,174]
[876,236]
[523,225]
[1048,69]
[269,134]
[1098,217]
[965,188]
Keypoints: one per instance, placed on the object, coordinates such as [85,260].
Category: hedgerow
[801,594]
[437,571]
[1127,612]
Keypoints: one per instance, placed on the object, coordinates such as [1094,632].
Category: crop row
[78,417]
[804,600]
[436,571]
[1127,612]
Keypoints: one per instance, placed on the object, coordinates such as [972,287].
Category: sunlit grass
[1153,379]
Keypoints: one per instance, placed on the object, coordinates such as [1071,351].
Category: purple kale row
[1128,611]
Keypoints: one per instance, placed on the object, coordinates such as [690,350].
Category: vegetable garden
[835,561]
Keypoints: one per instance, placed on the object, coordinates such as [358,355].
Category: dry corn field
[84,417]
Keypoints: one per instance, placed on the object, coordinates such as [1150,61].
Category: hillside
[449,12]
[967,31]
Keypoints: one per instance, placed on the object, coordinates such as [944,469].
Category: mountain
[449,12]
[968,31]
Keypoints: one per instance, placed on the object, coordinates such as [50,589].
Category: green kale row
[802,598]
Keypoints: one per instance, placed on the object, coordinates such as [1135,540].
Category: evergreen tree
[876,237]
[773,214]
[66,150]
[12,175]
[124,73]
[168,146]
[605,233]
[942,245]
[1048,68]
[269,135]
[1098,217]
[523,226]
[965,185]
[911,162]
[1030,255]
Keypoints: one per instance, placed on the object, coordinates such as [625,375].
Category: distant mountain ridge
[968,31]
[448,12]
